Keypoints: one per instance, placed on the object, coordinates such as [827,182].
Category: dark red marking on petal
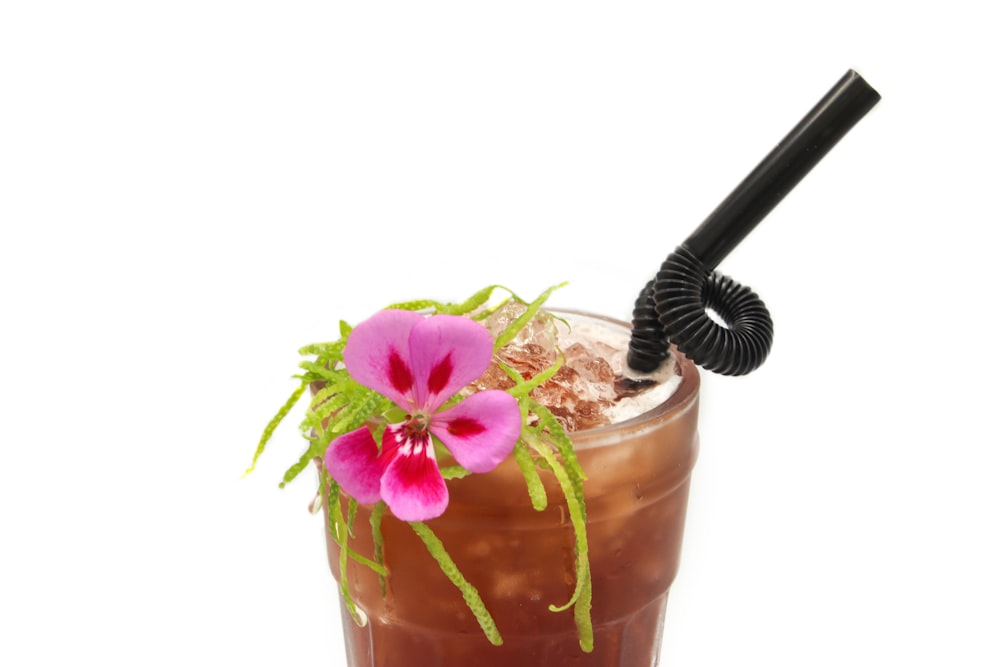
[415,458]
[412,485]
[392,439]
[440,375]
[399,373]
[465,427]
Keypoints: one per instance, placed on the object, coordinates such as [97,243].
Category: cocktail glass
[522,560]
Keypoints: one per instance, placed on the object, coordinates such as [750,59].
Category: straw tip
[854,77]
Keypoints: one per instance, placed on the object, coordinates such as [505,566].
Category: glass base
[633,641]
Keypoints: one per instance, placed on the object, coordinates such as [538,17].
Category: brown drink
[522,560]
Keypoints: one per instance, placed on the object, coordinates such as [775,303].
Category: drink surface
[521,560]
[594,386]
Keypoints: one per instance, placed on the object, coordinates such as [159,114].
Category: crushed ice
[591,389]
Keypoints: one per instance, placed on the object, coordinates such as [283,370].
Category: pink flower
[419,363]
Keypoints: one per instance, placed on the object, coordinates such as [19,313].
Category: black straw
[783,168]
[673,307]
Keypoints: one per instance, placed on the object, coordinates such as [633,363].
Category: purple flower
[419,363]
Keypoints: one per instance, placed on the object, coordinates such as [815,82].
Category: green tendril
[319,412]
[328,395]
[418,304]
[300,465]
[332,351]
[273,424]
[524,387]
[454,472]
[474,302]
[332,503]
[514,328]
[362,408]
[536,490]
[575,513]
[450,570]
[581,597]
[564,444]
[367,562]
[376,523]
[339,533]
[321,372]
[352,514]
[581,614]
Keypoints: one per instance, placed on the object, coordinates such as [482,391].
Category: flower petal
[481,431]
[352,461]
[377,355]
[412,485]
[447,352]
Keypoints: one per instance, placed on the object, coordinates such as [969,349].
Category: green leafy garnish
[340,405]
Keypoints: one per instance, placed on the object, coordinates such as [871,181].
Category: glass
[521,560]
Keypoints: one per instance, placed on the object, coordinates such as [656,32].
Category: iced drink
[521,560]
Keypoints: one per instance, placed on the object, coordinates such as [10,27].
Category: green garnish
[340,405]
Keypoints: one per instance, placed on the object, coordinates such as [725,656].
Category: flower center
[417,426]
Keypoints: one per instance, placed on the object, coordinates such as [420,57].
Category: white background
[189,191]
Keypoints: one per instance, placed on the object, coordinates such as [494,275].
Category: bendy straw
[673,307]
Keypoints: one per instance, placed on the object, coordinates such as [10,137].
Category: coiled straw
[673,307]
